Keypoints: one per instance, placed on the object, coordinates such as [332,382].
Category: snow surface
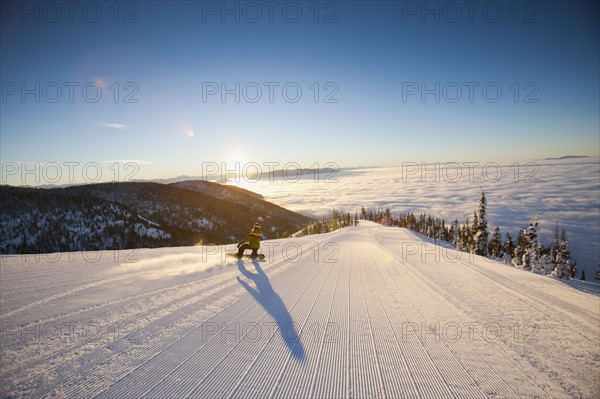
[367,311]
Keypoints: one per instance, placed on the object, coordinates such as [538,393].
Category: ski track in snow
[368,312]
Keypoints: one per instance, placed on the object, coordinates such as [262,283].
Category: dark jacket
[253,239]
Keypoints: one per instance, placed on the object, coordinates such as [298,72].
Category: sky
[151,89]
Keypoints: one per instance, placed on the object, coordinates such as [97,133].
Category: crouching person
[252,241]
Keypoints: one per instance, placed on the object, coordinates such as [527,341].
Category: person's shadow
[272,303]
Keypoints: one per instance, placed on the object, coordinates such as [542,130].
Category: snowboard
[246,257]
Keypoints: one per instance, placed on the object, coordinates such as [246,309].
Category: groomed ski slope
[368,311]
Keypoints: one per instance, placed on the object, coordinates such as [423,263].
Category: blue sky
[365,59]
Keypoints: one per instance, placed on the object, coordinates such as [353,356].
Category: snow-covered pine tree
[422,223]
[547,263]
[456,234]
[563,267]
[555,248]
[468,238]
[537,263]
[495,247]
[480,230]
[387,217]
[519,249]
[530,257]
[559,265]
[474,230]
[517,256]
[509,249]
[573,269]
[444,233]
[565,255]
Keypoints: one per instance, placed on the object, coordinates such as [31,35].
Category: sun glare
[236,157]
[100,82]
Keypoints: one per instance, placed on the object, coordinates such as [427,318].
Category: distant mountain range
[285,174]
[134,215]
[566,157]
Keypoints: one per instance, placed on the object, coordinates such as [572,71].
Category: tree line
[526,251]
[336,220]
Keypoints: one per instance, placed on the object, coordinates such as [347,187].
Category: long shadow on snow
[272,303]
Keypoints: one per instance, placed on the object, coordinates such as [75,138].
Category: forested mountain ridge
[133,215]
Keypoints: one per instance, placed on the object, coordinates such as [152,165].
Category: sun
[237,157]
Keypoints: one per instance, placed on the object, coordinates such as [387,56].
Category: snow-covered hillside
[133,215]
[366,311]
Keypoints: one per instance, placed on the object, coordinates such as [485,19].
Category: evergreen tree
[530,258]
[481,229]
[455,234]
[565,254]
[421,228]
[555,248]
[537,258]
[509,248]
[466,239]
[444,233]
[547,260]
[387,217]
[563,267]
[519,249]
[495,247]
[583,275]
[474,230]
